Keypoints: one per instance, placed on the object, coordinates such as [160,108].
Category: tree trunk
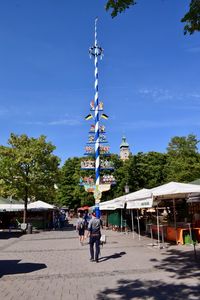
[25,211]
[25,205]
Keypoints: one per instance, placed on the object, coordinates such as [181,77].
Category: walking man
[94,231]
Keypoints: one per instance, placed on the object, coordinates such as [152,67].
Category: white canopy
[11,207]
[113,204]
[175,190]
[40,205]
[139,199]
[107,205]
[144,198]
[37,205]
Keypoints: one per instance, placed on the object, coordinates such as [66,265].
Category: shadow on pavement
[180,264]
[11,267]
[154,290]
[9,235]
[113,256]
[68,227]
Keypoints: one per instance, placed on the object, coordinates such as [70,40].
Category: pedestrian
[62,219]
[86,222]
[80,227]
[94,231]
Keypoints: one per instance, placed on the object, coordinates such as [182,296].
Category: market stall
[177,223]
[41,214]
[114,212]
[138,200]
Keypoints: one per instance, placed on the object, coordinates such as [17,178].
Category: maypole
[96,51]
[97,137]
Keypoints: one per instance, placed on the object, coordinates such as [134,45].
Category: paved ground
[52,265]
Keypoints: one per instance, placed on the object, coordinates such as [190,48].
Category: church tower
[124,149]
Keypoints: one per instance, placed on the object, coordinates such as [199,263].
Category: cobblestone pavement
[52,265]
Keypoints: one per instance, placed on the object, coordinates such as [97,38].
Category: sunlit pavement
[53,265]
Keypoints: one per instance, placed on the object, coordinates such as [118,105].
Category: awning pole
[132,221]
[175,225]
[158,228]
[121,220]
[138,224]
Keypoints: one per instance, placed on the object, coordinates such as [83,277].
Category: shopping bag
[103,239]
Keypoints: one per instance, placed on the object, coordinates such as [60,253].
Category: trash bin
[188,240]
[29,228]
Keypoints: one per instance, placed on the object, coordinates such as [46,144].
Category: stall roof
[141,194]
[40,205]
[37,205]
[139,199]
[11,207]
[113,204]
[175,190]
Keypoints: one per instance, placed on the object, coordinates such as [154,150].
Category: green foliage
[118,6]
[192,17]
[143,170]
[183,159]
[148,170]
[70,194]
[28,169]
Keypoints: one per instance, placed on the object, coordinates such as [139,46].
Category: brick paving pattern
[53,266]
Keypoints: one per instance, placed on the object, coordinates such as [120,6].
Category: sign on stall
[143,203]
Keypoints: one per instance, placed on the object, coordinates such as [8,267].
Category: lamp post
[126,188]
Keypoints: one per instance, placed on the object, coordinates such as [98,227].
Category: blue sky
[148,78]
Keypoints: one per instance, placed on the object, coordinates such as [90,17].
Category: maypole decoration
[96,143]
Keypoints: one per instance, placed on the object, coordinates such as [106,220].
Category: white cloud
[142,124]
[157,94]
[172,97]
[195,49]
[66,121]
[195,95]
[69,122]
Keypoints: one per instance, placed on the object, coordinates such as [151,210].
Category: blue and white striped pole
[96,107]
[96,51]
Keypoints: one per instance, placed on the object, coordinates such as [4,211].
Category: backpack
[81,224]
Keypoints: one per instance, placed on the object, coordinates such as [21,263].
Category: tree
[70,193]
[118,6]
[28,169]
[183,159]
[143,170]
[191,18]
[147,170]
